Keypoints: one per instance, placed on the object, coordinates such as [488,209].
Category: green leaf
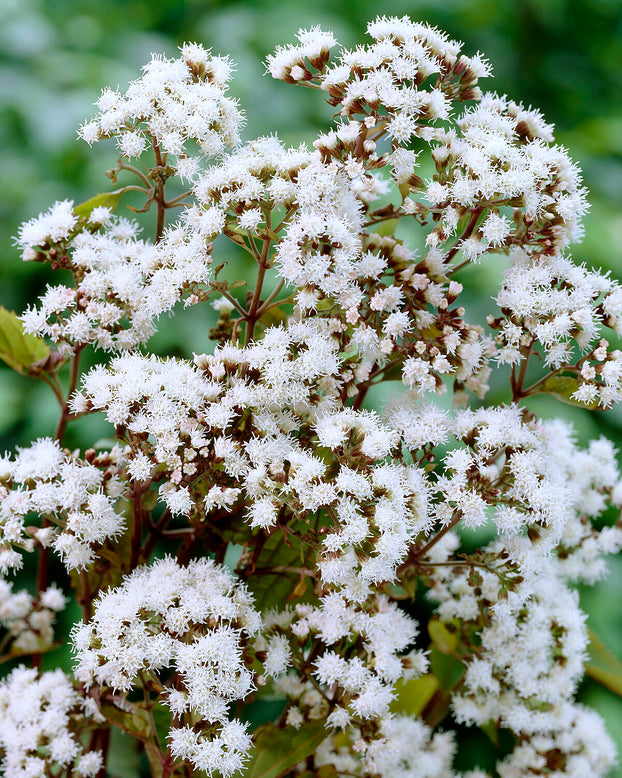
[105,443]
[273,317]
[236,531]
[561,387]
[394,373]
[443,639]
[325,771]
[491,730]
[130,718]
[276,751]
[20,350]
[123,756]
[273,589]
[386,228]
[162,718]
[136,722]
[603,666]
[412,696]
[105,199]
[446,668]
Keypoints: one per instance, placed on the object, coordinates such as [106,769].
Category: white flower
[496,229]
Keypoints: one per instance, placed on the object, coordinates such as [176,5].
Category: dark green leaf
[276,751]
[394,373]
[128,717]
[123,757]
[447,669]
[492,731]
[273,589]
[136,722]
[162,719]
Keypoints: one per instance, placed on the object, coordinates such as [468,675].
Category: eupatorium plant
[259,531]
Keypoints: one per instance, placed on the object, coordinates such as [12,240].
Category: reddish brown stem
[468,231]
[137,533]
[252,316]
[159,197]
[73,381]
[417,554]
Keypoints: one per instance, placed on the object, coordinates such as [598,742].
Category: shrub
[275,576]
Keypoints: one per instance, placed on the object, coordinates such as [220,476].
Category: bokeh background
[562,56]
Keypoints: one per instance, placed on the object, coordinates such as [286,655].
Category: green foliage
[106,200]
[413,696]
[276,750]
[137,722]
[21,351]
[563,387]
[603,666]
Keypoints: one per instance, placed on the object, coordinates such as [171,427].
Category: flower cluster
[195,620]
[121,283]
[76,496]
[406,747]
[29,622]
[556,305]
[175,101]
[38,732]
[265,530]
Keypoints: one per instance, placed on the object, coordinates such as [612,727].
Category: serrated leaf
[105,199]
[562,387]
[20,350]
[130,718]
[276,751]
[603,666]
[443,639]
[412,696]
[136,722]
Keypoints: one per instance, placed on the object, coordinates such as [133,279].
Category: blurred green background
[562,56]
